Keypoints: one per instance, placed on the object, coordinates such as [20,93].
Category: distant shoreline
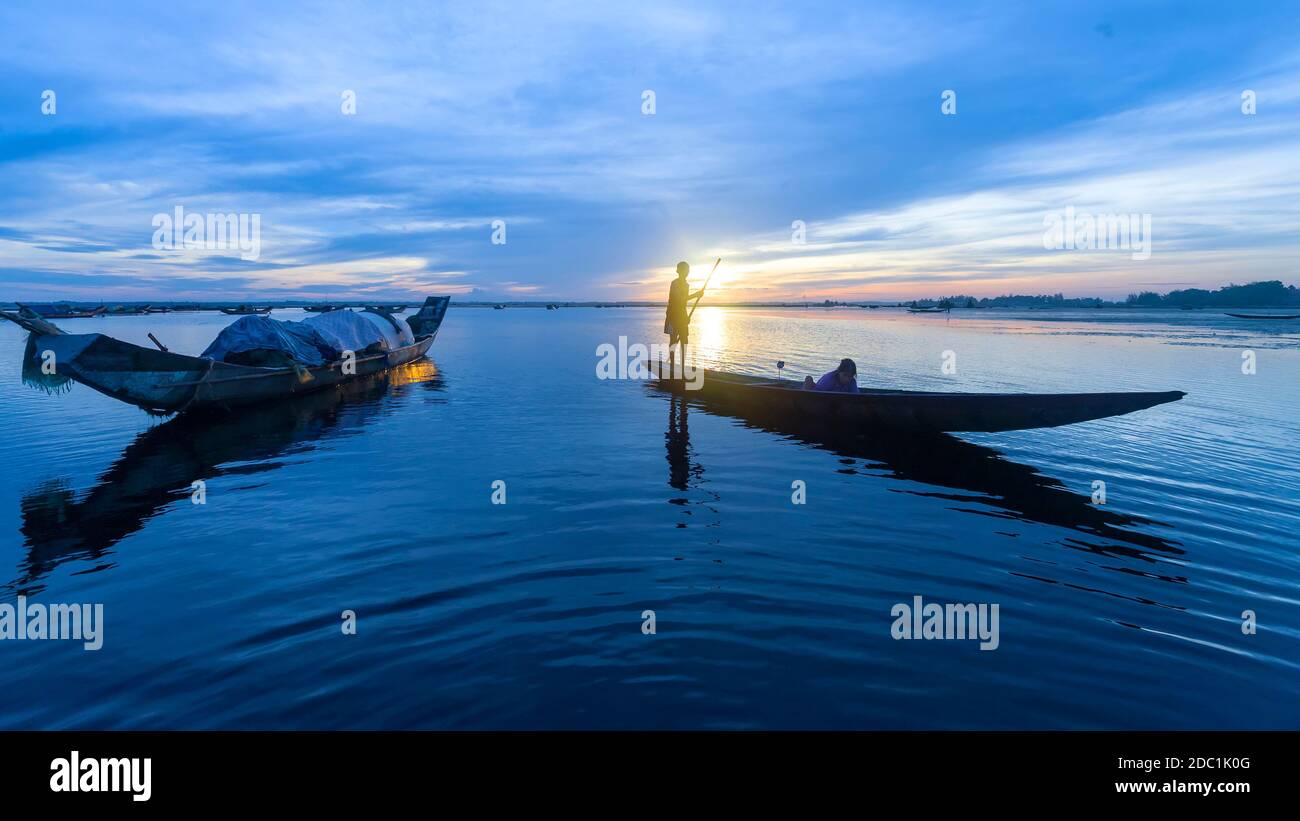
[1271,294]
[291,305]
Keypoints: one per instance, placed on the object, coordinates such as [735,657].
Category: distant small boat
[244,310]
[499,307]
[552,307]
[320,309]
[386,309]
[1264,316]
[928,310]
[60,311]
[160,310]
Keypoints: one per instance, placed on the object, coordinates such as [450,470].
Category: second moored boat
[253,360]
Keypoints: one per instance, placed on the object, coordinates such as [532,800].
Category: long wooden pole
[701,296]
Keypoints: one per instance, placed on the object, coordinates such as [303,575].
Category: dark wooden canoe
[165,382]
[907,410]
[1264,316]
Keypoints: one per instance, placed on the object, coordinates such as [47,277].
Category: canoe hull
[164,382]
[169,383]
[909,410]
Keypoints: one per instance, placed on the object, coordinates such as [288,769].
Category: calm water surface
[621,500]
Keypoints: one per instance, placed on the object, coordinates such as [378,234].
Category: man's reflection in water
[683,474]
[678,442]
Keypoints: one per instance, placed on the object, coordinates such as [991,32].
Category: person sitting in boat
[843,379]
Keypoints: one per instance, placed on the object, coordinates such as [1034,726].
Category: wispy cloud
[1222,189]
[532,114]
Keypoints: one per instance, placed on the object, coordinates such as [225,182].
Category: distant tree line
[1272,294]
[1013,301]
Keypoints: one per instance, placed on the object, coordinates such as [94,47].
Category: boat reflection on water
[977,477]
[158,468]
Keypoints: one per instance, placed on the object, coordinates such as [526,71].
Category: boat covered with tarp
[254,359]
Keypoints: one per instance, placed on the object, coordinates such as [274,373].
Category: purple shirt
[831,382]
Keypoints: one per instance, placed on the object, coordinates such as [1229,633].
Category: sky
[511,151]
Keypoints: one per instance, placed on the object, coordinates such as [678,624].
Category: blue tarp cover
[314,341]
[298,340]
[353,331]
[394,328]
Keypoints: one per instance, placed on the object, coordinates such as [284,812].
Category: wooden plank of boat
[908,410]
[166,382]
[1264,316]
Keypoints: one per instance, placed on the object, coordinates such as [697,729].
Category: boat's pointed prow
[1154,398]
[428,319]
[32,321]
